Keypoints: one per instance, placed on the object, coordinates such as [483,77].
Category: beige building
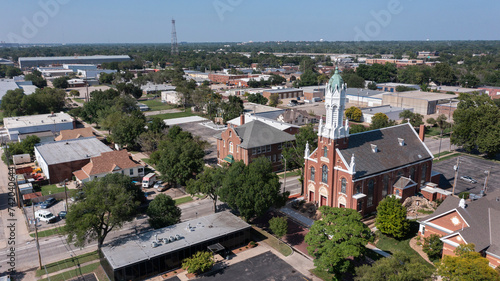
[422,102]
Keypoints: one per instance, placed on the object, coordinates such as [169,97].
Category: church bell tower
[335,92]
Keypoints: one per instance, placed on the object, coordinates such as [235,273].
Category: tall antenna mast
[175,48]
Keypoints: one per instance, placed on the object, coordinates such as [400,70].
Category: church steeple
[334,126]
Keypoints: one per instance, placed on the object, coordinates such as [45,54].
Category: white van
[45,216]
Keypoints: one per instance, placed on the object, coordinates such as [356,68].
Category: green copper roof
[336,79]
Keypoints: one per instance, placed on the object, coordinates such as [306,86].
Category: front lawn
[49,232]
[155,105]
[51,189]
[183,200]
[186,113]
[67,263]
[74,272]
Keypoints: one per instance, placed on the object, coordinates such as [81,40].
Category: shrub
[198,263]
[433,246]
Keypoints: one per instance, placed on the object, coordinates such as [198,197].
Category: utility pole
[66,194]
[284,181]
[451,123]
[36,237]
[456,175]
[485,187]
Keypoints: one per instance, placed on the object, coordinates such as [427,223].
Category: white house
[172,97]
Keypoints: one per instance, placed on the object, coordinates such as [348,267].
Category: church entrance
[323,201]
[341,206]
[311,196]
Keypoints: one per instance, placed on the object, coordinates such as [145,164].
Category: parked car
[47,203]
[158,184]
[293,103]
[468,179]
[62,214]
[45,216]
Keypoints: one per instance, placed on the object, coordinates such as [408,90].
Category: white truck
[148,180]
[45,216]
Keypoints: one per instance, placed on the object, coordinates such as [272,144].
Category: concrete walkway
[377,250]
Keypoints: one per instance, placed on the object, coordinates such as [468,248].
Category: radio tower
[175,48]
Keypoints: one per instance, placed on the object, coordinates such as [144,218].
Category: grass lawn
[323,275]
[51,189]
[49,232]
[290,174]
[272,241]
[79,100]
[186,113]
[446,157]
[73,273]
[157,105]
[435,131]
[148,161]
[67,263]
[183,200]
[392,245]
[443,153]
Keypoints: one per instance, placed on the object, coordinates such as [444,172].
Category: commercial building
[455,89]
[76,67]
[357,171]
[424,103]
[391,112]
[107,163]
[94,73]
[290,93]
[26,62]
[142,255]
[252,140]
[153,88]
[493,92]
[230,79]
[391,87]
[59,159]
[458,222]
[6,62]
[21,125]
[12,84]
[364,97]
[54,71]
[172,97]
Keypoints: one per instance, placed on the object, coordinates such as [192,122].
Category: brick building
[357,171]
[252,140]
[493,92]
[460,222]
[228,78]
[290,93]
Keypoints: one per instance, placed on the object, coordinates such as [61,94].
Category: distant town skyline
[127,21]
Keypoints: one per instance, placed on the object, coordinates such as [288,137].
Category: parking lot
[206,134]
[266,266]
[54,209]
[469,166]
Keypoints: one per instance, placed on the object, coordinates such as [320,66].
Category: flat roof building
[25,62]
[422,102]
[59,159]
[391,111]
[289,93]
[54,123]
[138,256]
[12,84]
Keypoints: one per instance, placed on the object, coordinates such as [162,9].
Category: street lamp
[487,173]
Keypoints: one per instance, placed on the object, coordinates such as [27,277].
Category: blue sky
[148,21]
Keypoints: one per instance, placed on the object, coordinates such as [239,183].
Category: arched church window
[324,172]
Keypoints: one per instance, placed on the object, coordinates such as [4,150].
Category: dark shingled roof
[390,154]
[483,218]
[257,133]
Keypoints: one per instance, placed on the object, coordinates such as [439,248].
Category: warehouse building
[424,103]
[59,159]
[25,62]
[290,93]
[21,125]
[138,256]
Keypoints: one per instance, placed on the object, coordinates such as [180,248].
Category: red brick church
[358,170]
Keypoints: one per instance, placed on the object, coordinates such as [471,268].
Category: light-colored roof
[283,90]
[6,85]
[96,57]
[107,162]
[36,120]
[364,93]
[429,96]
[382,109]
[157,87]
[182,120]
[134,248]
[271,122]
[71,150]
[75,134]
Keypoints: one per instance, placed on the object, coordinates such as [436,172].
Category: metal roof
[135,248]
[283,90]
[36,120]
[71,150]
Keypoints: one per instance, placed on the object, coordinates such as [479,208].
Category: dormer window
[374,148]
[401,142]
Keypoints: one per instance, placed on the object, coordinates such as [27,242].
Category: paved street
[292,184]
[433,145]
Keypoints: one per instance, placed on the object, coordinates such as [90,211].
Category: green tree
[469,81]
[336,238]
[61,82]
[353,113]
[252,189]
[162,212]
[179,157]
[357,128]
[309,78]
[156,125]
[468,265]
[274,100]
[198,263]
[443,74]
[416,119]
[11,103]
[380,120]
[400,266]
[11,71]
[391,218]
[279,226]
[433,246]
[109,203]
[44,101]
[128,129]
[74,93]
[294,155]
[129,89]
[36,78]
[106,78]
[28,144]
[372,86]
[353,80]
[477,124]
[257,98]
[233,108]
[208,183]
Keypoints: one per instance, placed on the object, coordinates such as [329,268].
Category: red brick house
[252,140]
[493,92]
[460,222]
[357,171]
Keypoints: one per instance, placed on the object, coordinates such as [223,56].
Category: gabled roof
[257,133]
[482,217]
[404,182]
[107,162]
[390,154]
[75,134]
[291,114]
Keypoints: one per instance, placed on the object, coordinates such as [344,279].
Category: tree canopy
[391,218]
[416,119]
[279,226]
[477,124]
[353,113]
[61,82]
[108,203]
[337,237]
[209,182]
[252,189]
[162,212]
[257,98]
[380,120]
[294,154]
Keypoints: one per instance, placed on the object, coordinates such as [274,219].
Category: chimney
[421,132]
[242,119]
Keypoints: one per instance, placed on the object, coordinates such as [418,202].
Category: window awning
[214,248]
[229,159]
